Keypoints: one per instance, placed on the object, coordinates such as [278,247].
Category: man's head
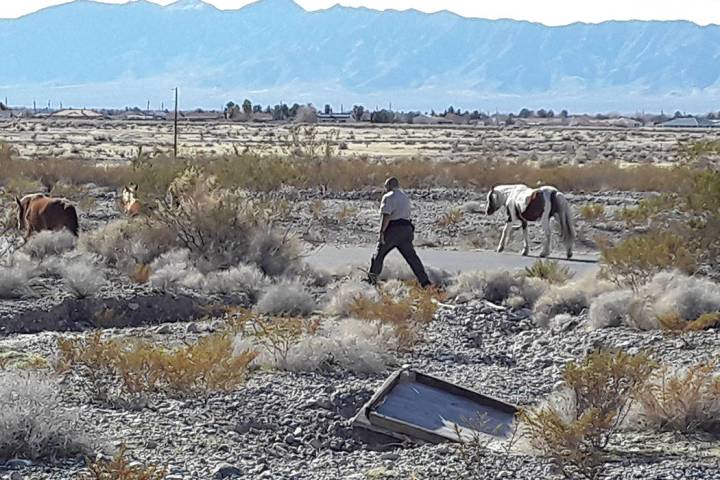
[391,184]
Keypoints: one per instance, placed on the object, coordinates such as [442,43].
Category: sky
[549,12]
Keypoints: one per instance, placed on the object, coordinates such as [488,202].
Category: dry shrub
[574,432]
[647,210]
[140,366]
[286,299]
[343,298]
[82,278]
[498,287]
[674,322]
[637,259]
[244,280]
[15,280]
[572,298]
[35,422]
[398,270]
[450,218]
[406,315]
[174,271]
[48,243]
[120,468]
[128,243]
[549,270]
[220,227]
[592,212]
[682,401]
[611,309]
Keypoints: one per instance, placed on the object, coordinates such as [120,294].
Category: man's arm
[383,226]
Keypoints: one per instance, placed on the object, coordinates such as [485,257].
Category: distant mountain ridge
[273,50]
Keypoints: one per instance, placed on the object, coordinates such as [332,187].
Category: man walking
[396,231]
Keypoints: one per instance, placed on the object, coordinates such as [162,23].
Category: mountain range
[93,54]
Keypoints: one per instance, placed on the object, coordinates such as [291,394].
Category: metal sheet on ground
[421,408]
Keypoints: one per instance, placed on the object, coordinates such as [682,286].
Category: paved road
[329,257]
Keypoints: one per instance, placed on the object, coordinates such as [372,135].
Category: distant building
[335,117]
[689,122]
[196,116]
[77,114]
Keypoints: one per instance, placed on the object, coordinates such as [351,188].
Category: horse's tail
[72,219]
[565,218]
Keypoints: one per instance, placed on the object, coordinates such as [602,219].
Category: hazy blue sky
[549,12]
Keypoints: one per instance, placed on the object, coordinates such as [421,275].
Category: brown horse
[37,212]
[130,204]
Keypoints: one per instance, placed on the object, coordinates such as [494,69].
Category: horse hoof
[544,254]
[524,253]
[499,250]
[569,255]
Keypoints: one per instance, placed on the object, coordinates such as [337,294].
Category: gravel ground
[296,425]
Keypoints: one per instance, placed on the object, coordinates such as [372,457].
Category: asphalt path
[332,258]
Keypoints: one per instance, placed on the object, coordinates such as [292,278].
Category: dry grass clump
[670,301]
[286,299]
[635,260]
[549,270]
[397,270]
[682,401]
[575,428]
[48,243]
[592,212]
[128,244]
[572,298]
[35,423]
[82,279]
[174,270]
[121,468]
[243,279]
[647,209]
[119,369]
[343,298]
[406,314]
[15,280]
[450,218]
[498,287]
[310,345]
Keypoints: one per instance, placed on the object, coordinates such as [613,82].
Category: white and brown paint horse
[38,211]
[524,204]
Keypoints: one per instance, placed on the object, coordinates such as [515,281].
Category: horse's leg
[504,237]
[546,228]
[526,243]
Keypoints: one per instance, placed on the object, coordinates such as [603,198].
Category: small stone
[18,463]
[225,470]
[389,456]
[163,329]
[192,328]
[290,439]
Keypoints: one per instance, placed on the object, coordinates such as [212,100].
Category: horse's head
[493,203]
[129,200]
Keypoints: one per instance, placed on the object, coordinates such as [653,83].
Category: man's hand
[381,238]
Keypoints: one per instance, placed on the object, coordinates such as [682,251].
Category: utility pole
[34,107]
[175,142]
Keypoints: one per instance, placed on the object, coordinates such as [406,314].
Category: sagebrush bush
[15,280]
[243,279]
[47,243]
[572,298]
[286,299]
[342,298]
[127,243]
[353,345]
[175,270]
[498,287]
[82,278]
[34,422]
[686,400]
[399,270]
[574,429]
[611,309]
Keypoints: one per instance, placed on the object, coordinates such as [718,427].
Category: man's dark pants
[399,234]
